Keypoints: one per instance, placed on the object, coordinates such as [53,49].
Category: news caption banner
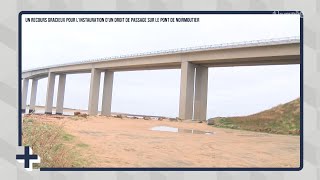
[126,20]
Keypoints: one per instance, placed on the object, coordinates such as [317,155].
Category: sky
[232,91]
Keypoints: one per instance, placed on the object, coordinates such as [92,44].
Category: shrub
[49,142]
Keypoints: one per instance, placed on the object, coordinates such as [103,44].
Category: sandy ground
[116,142]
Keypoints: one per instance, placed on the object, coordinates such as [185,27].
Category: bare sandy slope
[115,142]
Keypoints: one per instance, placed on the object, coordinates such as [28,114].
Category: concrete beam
[186,90]
[60,96]
[50,93]
[107,93]
[33,97]
[254,54]
[94,91]
[25,85]
[201,92]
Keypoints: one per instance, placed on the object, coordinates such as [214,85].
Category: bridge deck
[267,52]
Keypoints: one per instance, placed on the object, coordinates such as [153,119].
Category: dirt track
[115,142]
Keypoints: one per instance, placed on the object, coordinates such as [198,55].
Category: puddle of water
[173,129]
[165,128]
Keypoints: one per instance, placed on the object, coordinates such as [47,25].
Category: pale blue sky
[232,91]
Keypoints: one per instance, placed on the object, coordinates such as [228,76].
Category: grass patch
[52,144]
[82,145]
[28,120]
[282,119]
[67,137]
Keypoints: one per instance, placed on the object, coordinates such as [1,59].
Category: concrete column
[201,92]
[33,97]
[25,84]
[50,93]
[186,90]
[94,91]
[60,96]
[107,93]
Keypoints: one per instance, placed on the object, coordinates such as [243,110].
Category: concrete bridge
[193,62]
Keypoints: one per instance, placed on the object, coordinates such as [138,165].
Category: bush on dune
[47,141]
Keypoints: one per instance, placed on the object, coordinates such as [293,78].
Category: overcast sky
[232,91]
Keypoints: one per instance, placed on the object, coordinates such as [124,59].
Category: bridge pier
[201,92]
[107,93]
[193,91]
[50,93]
[60,96]
[33,97]
[186,90]
[94,91]
[25,84]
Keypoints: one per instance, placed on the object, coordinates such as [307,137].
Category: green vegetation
[82,145]
[28,120]
[53,145]
[67,137]
[282,119]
